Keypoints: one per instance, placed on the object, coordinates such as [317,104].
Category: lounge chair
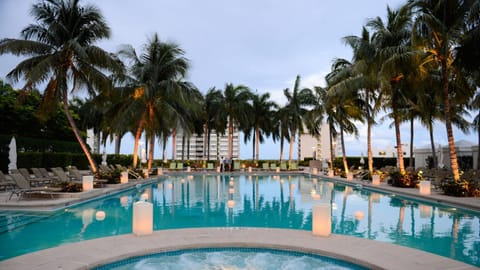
[236,165]
[293,166]
[273,166]
[5,183]
[172,166]
[265,166]
[210,166]
[76,174]
[62,176]
[24,187]
[134,174]
[360,174]
[34,181]
[45,173]
[180,166]
[283,166]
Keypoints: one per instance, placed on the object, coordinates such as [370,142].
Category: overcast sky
[261,44]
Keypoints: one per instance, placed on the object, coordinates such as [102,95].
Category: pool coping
[368,253]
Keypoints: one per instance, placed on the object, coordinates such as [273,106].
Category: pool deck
[368,253]
[91,253]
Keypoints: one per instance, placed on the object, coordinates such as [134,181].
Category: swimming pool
[231,258]
[252,201]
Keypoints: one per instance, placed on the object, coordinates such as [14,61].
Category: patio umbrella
[12,155]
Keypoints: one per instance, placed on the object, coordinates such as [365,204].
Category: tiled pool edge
[364,252]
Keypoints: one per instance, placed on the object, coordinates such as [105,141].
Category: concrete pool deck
[91,253]
[367,253]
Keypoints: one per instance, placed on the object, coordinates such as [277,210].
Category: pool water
[284,201]
[232,259]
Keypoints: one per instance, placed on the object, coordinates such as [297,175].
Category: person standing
[222,164]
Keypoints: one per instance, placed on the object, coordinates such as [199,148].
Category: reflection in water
[258,201]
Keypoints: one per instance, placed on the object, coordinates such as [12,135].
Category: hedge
[378,162]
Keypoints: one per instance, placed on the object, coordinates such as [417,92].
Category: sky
[263,44]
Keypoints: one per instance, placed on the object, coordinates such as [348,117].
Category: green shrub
[462,188]
[112,177]
[408,180]
[71,187]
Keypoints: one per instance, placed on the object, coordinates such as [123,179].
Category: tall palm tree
[213,110]
[342,106]
[297,108]
[365,81]
[262,119]
[439,28]
[280,129]
[392,39]
[237,108]
[155,90]
[60,51]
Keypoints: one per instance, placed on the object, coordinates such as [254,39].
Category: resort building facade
[316,147]
[195,147]
[467,155]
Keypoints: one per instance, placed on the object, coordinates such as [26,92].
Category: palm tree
[237,109]
[155,90]
[365,81]
[314,117]
[213,110]
[262,119]
[392,40]
[60,52]
[296,108]
[280,129]
[342,106]
[439,28]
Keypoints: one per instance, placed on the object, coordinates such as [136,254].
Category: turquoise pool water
[232,259]
[256,201]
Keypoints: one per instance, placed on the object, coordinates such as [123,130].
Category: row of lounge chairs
[38,180]
[178,166]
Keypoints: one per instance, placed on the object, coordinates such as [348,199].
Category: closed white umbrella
[12,155]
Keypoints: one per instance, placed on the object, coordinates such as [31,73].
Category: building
[316,147]
[466,155]
[194,147]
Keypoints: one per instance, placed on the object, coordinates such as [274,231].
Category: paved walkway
[368,253]
[87,254]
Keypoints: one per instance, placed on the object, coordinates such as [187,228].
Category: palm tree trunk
[138,133]
[150,152]
[205,141]
[174,136]
[230,139]
[448,125]
[257,143]
[369,147]
[478,144]
[208,144]
[253,146]
[410,164]
[332,151]
[369,133]
[76,132]
[432,145]
[344,153]
[292,141]
[281,148]
[96,148]
[401,165]
[118,142]
[183,147]
[396,121]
